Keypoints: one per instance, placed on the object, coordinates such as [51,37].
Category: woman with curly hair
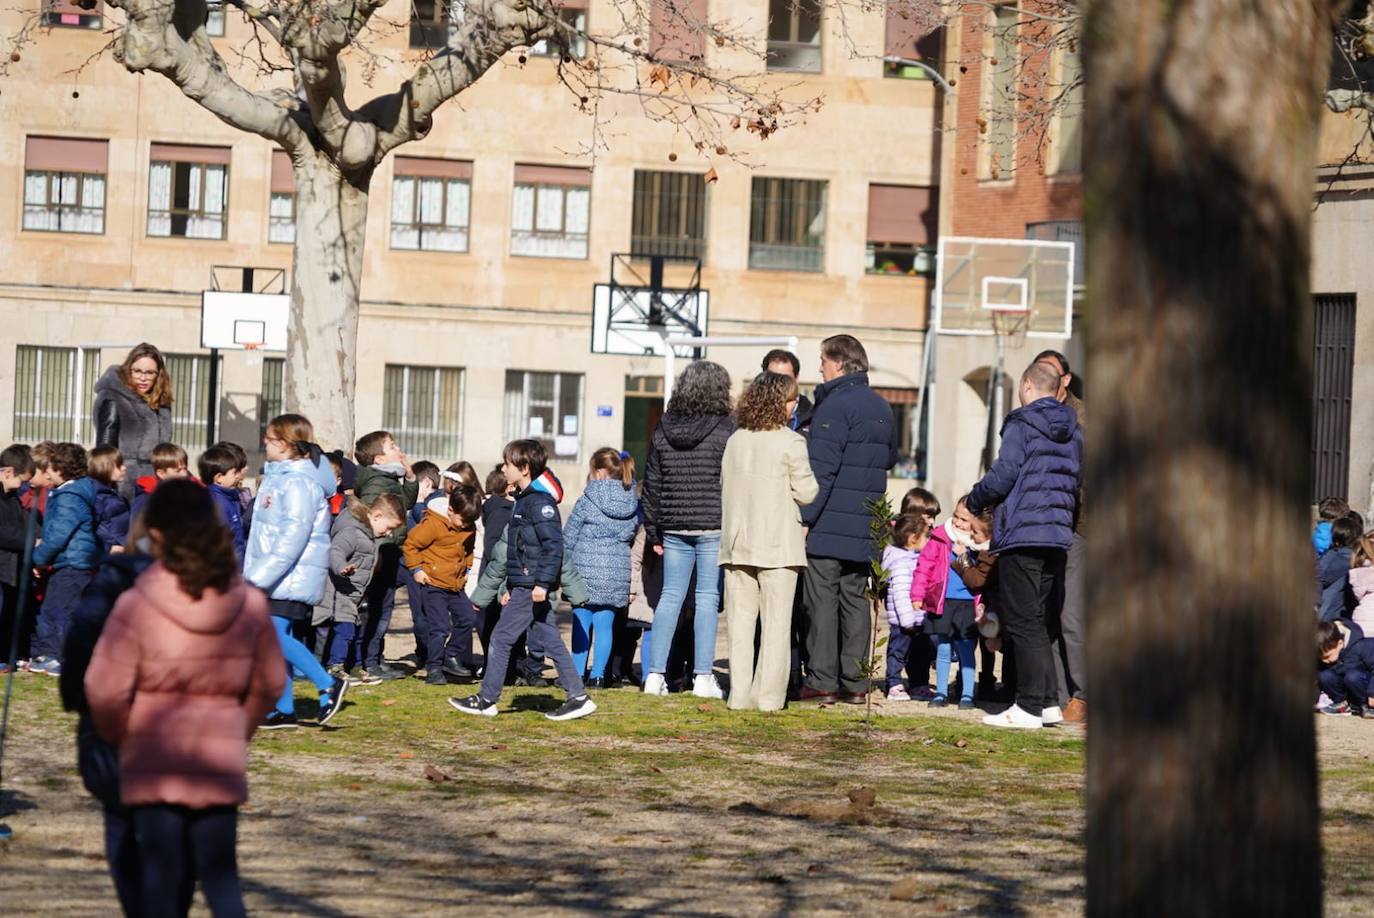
[682,517]
[132,411]
[765,481]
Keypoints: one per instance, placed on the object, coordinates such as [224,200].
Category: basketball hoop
[1010,325]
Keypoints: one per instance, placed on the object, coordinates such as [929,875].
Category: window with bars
[1000,102]
[574,17]
[794,35]
[669,214]
[422,407]
[64,202]
[434,22]
[545,407]
[54,388]
[188,197]
[272,394]
[66,14]
[430,205]
[787,224]
[191,388]
[550,212]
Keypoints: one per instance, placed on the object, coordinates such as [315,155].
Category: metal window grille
[1333,365]
[191,392]
[54,388]
[545,407]
[669,214]
[272,395]
[422,407]
[787,224]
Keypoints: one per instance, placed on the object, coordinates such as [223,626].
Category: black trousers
[839,628]
[1026,579]
[177,846]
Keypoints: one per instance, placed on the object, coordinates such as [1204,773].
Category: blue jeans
[682,553]
[593,627]
[300,660]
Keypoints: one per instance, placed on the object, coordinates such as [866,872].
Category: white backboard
[231,321]
[978,278]
[620,326]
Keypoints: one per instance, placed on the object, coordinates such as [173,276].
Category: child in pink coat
[950,606]
[185,669]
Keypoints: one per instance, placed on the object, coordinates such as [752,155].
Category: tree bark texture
[326,274]
[1201,139]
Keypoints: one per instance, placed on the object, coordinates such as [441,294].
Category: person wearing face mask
[132,411]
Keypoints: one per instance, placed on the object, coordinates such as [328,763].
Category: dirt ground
[653,806]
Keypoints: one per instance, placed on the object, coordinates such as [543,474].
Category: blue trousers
[593,629]
[59,601]
[906,650]
[343,645]
[681,555]
[522,614]
[445,625]
[300,661]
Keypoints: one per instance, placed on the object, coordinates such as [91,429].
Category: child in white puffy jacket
[905,642]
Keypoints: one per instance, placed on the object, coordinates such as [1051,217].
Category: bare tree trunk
[1202,125]
[331,218]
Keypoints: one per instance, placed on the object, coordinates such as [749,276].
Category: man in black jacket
[787,364]
[852,449]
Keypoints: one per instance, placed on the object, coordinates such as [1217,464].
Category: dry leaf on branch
[711,177]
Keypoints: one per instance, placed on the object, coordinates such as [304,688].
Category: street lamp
[908,62]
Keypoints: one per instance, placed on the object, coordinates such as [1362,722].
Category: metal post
[213,401]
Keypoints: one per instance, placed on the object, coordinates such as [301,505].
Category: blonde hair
[388,503]
[294,429]
[619,464]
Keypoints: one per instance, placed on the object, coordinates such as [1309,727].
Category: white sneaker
[655,684]
[1014,717]
[706,686]
[1052,716]
[1322,701]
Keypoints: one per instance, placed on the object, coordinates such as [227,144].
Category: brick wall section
[1001,208]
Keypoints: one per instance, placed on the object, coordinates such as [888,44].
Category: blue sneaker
[48,666]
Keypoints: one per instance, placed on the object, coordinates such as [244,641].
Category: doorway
[643,408]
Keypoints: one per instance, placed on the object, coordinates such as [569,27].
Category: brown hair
[1362,554]
[427,471]
[387,502]
[167,456]
[240,456]
[919,500]
[41,454]
[466,501]
[530,455]
[496,481]
[1332,508]
[214,462]
[19,457]
[102,462]
[160,395]
[195,544]
[985,516]
[909,526]
[369,446]
[621,465]
[295,429]
[847,352]
[68,460]
[467,477]
[778,355]
[763,406]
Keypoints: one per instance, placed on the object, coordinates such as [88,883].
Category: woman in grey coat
[133,411]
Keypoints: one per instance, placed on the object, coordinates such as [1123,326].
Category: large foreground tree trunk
[331,221]
[1202,125]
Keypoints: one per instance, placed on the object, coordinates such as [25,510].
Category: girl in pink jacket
[950,607]
[186,667]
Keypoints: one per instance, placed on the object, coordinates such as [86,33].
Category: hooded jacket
[179,685]
[852,447]
[111,517]
[287,555]
[124,420]
[1362,589]
[441,548]
[351,544]
[1034,482]
[599,533]
[534,536]
[765,481]
[682,474]
[900,565]
[371,481]
[492,581]
[1333,569]
[69,528]
[231,511]
[13,527]
[933,570]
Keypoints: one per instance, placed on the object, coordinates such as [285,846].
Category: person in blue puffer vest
[69,545]
[287,555]
[599,534]
[1033,488]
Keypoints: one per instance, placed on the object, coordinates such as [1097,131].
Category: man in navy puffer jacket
[1034,487]
[851,449]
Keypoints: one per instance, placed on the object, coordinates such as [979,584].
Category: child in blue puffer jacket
[68,544]
[599,535]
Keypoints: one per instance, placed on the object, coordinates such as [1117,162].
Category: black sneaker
[531,681]
[386,673]
[455,668]
[938,702]
[473,704]
[331,701]
[573,708]
[594,683]
[276,720]
[436,677]
[360,676]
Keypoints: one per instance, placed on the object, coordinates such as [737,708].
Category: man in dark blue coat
[1034,486]
[852,448]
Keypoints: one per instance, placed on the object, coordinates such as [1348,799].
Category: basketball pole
[212,400]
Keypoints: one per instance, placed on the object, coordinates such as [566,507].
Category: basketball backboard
[244,321]
[634,321]
[979,283]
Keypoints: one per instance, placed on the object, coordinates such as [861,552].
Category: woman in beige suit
[765,480]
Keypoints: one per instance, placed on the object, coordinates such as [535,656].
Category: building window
[677,30]
[214,18]
[430,199]
[1068,99]
[433,23]
[909,38]
[787,224]
[54,388]
[272,395]
[545,407]
[573,15]
[65,14]
[999,159]
[551,211]
[906,429]
[1064,231]
[422,407]
[902,224]
[669,214]
[188,191]
[281,206]
[794,35]
[64,184]
[191,382]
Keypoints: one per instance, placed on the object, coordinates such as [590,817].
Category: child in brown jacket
[184,671]
[439,553]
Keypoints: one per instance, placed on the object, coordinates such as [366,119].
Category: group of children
[1345,610]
